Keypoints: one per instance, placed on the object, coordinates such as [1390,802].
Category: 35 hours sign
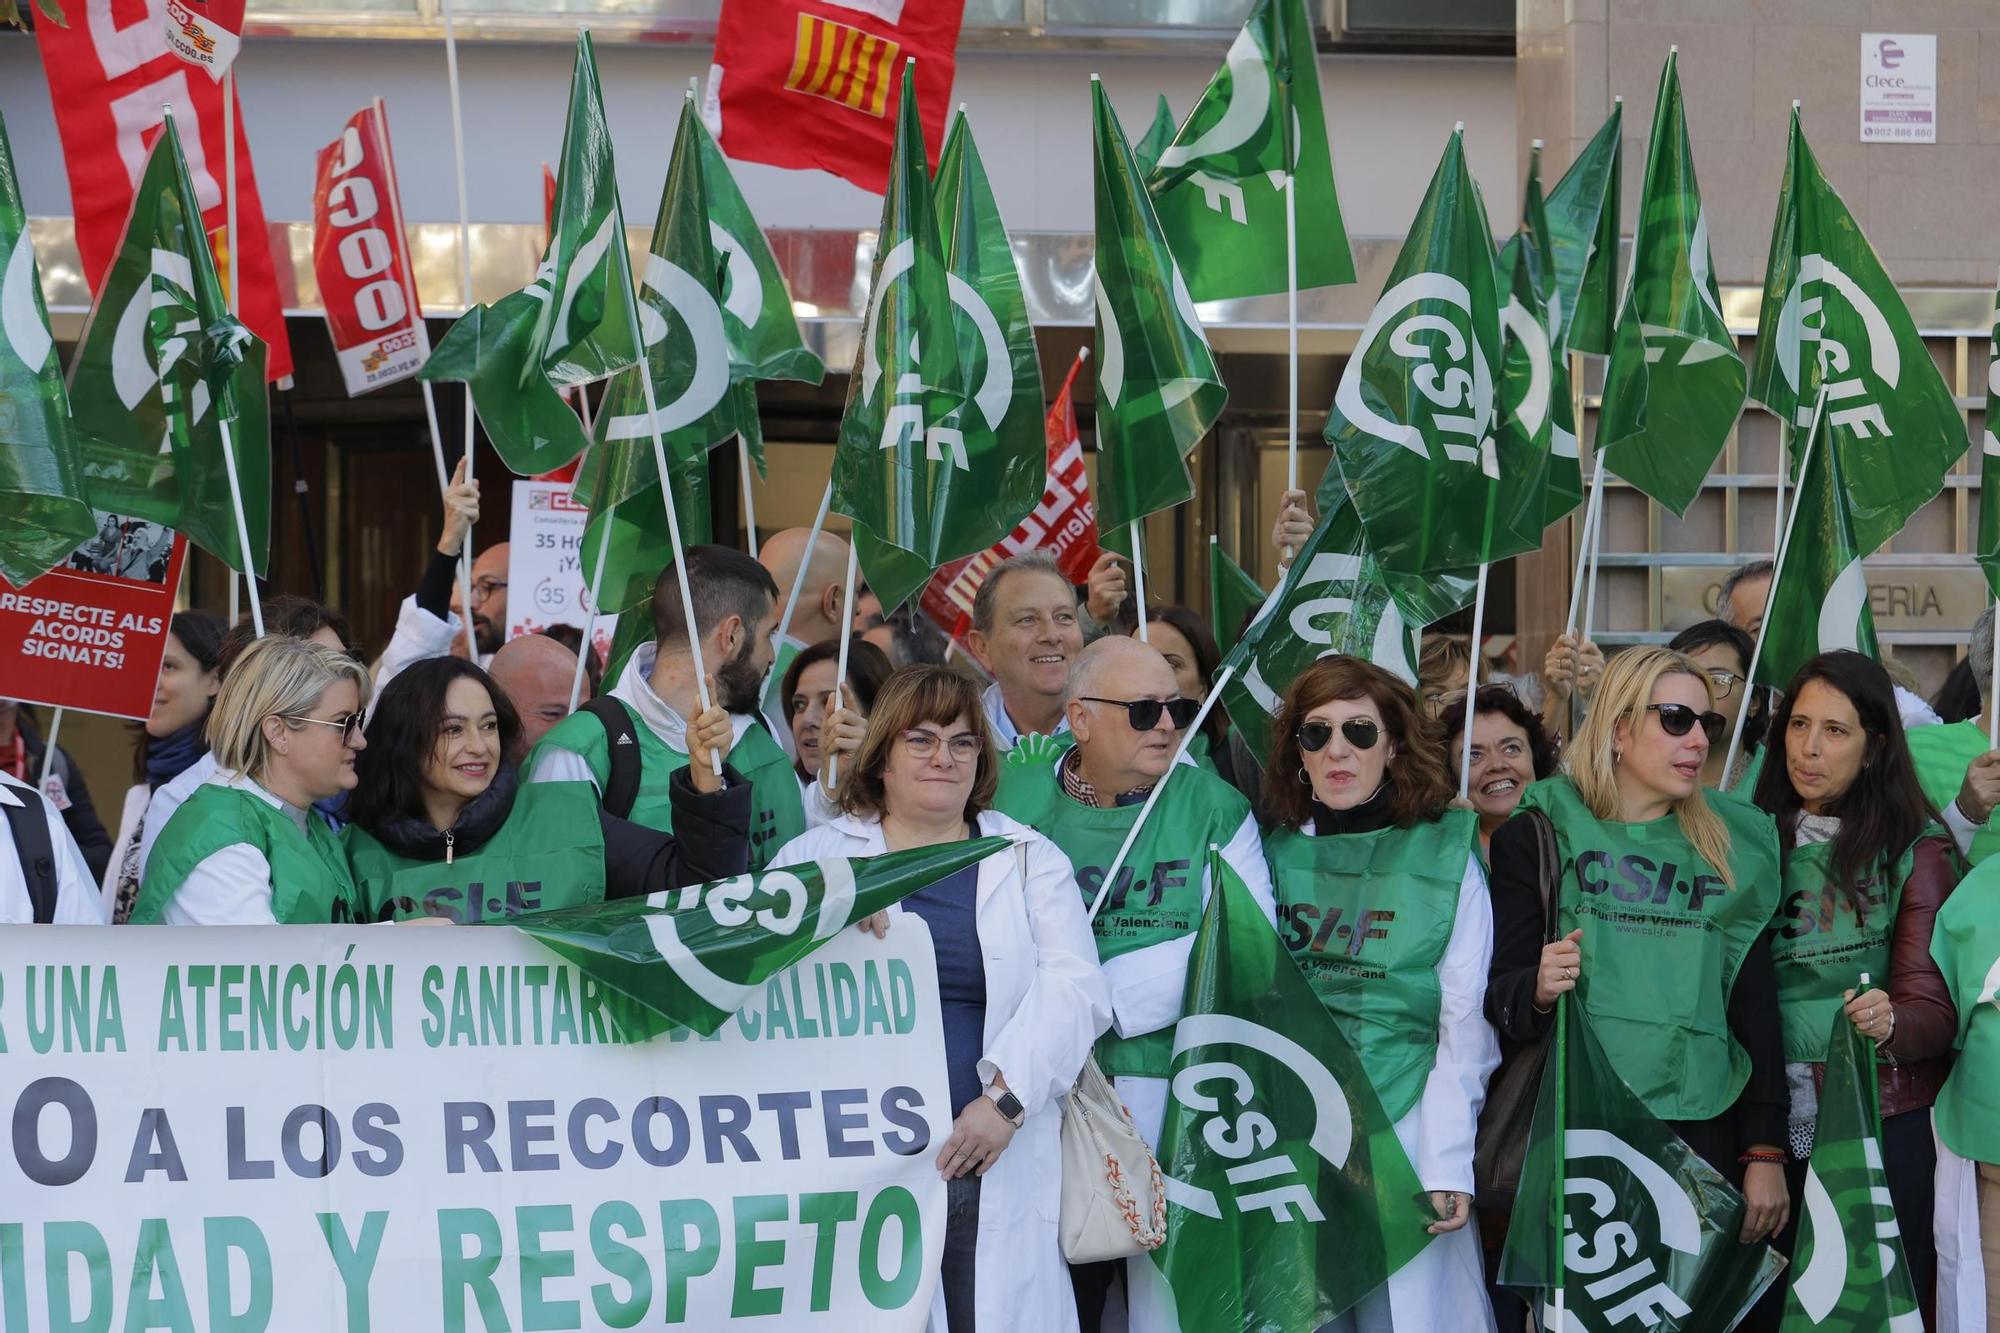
[361,259]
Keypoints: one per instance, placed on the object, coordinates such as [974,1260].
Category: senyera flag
[207,33]
[361,257]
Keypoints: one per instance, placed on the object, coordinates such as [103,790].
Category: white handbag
[1114,1203]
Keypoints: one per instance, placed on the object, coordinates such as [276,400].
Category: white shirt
[167,798]
[1005,733]
[78,902]
[230,887]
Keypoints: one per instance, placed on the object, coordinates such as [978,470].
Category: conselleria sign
[238,1130]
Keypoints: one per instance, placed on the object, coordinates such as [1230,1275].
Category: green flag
[694,956]
[573,324]
[1005,447]
[1232,595]
[1988,549]
[43,516]
[1819,600]
[1674,386]
[1537,418]
[1158,390]
[1621,1215]
[163,372]
[1583,233]
[1289,1197]
[1219,186]
[1413,421]
[1159,134]
[1849,1272]
[1832,319]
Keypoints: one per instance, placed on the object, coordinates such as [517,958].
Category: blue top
[948,907]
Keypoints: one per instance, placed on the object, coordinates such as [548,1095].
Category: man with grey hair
[1958,768]
[1744,593]
[1025,633]
[1127,714]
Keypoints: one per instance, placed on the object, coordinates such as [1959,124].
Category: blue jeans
[961,1244]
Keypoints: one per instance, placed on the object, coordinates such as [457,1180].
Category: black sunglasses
[1679,720]
[1361,733]
[1144,714]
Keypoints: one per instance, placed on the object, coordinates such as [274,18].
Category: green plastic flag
[1583,233]
[694,956]
[573,324]
[1232,595]
[1159,134]
[1413,422]
[1674,386]
[1289,1197]
[1849,1271]
[1988,548]
[1630,1223]
[1832,319]
[163,372]
[1819,601]
[1537,418]
[43,516]
[1219,186]
[1158,390]
[1005,447]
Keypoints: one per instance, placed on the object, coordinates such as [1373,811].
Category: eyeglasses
[1724,681]
[348,725]
[1679,720]
[963,748]
[1361,733]
[483,589]
[1144,714]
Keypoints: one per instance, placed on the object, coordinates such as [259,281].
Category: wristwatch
[1008,1105]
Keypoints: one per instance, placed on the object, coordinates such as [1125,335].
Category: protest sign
[361,258]
[545,565]
[352,1128]
[90,633]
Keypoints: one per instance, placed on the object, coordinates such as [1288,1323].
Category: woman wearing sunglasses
[1723,652]
[1384,906]
[1662,926]
[1867,866]
[247,848]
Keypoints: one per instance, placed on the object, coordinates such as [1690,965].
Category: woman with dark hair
[1018,982]
[1361,794]
[1509,751]
[1186,641]
[441,824]
[1867,866]
[169,742]
[807,691]
[1722,652]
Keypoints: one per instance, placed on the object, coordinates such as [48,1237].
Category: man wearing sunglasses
[1125,710]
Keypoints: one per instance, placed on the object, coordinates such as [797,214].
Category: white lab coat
[78,903]
[1046,1003]
[167,798]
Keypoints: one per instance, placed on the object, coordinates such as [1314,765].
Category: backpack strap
[32,843]
[621,789]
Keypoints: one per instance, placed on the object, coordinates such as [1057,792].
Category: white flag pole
[590,615]
[1590,580]
[49,751]
[242,523]
[1291,335]
[1590,511]
[1139,577]
[1472,685]
[840,661]
[1993,694]
[235,302]
[749,499]
[799,578]
[464,296]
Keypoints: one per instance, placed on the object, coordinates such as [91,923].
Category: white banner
[327,1128]
[545,564]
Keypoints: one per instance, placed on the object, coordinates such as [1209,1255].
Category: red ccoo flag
[816,83]
[207,33]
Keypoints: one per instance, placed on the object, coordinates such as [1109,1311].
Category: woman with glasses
[442,826]
[1509,752]
[1366,837]
[247,847]
[1867,866]
[1018,981]
[1722,652]
[1662,922]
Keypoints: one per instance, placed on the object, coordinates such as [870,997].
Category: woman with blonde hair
[1018,983]
[247,847]
[1662,923]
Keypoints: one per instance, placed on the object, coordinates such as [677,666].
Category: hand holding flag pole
[846,637]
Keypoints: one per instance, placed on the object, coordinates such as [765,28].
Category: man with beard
[629,741]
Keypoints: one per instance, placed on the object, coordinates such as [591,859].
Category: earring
[1617,757]
[1302,776]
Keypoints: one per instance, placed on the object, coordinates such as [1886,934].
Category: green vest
[548,853]
[1966,947]
[1823,944]
[310,883]
[776,709]
[1158,896]
[1663,940]
[777,806]
[1942,755]
[1368,917]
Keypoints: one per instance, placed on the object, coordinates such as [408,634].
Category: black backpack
[621,789]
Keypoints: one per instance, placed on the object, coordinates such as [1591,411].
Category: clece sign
[361,258]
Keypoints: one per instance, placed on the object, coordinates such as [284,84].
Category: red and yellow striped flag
[843,64]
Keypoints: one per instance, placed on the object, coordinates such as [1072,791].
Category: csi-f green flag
[164,374]
[1005,448]
[43,516]
[1289,1196]
[1849,1270]
[1988,549]
[573,324]
[1158,135]
[1158,390]
[694,956]
[1232,595]
[1219,187]
[1819,599]
[1583,235]
[1832,319]
[1535,435]
[1413,422]
[1615,1210]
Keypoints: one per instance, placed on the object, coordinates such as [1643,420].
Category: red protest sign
[361,258]
[90,633]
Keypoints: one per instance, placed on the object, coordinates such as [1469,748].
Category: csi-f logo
[1856,359]
[1827,1274]
[1165,876]
[1637,879]
[1335,929]
[1606,1248]
[780,902]
[1816,911]
[1428,322]
[904,421]
[1331,608]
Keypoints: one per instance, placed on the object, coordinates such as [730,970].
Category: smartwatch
[1008,1104]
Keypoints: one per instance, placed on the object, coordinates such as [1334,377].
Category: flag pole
[799,578]
[49,750]
[1153,797]
[229,258]
[1590,511]
[1139,578]
[465,299]
[1291,333]
[590,614]
[749,500]
[846,637]
[1472,685]
[1562,1150]
[1993,694]
[242,523]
